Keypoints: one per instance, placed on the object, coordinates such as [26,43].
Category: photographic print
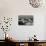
[25,20]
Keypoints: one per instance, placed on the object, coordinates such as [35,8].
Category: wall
[14,8]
